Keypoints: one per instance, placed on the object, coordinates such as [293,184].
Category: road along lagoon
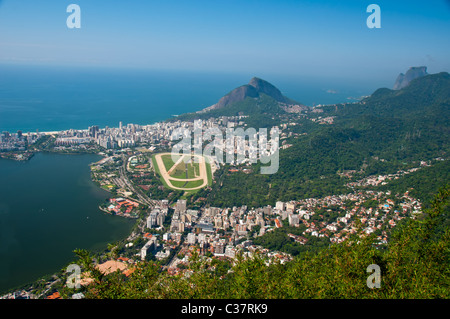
[48,208]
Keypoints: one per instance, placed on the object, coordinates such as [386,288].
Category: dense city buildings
[171,231]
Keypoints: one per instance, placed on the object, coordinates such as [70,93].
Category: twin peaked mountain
[260,100]
[403,80]
[257,91]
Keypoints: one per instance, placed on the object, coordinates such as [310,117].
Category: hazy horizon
[283,38]
[51,98]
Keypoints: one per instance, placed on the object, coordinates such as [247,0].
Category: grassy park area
[183,172]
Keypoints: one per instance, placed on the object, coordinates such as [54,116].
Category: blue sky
[312,38]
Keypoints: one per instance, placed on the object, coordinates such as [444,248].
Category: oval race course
[170,180]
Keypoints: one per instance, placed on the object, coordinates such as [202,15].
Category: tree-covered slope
[259,99]
[413,266]
[388,131]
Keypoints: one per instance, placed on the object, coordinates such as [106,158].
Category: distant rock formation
[265,87]
[253,89]
[413,73]
[237,95]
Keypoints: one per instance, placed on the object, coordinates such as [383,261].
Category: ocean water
[49,205]
[56,98]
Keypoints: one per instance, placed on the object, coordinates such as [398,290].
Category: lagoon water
[49,205]
[48,208]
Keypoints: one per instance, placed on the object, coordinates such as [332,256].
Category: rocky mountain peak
[413,73]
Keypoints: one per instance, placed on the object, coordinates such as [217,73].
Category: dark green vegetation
[423,183]
[261,111]
[154,186]
[384,133]
[259,100]
[278,240]
[414,265]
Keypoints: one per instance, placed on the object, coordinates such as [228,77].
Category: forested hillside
[414,265]
[387,132]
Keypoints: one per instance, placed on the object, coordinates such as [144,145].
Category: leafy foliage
[384,133]
[415,265]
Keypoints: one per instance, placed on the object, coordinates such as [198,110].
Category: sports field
[183,172]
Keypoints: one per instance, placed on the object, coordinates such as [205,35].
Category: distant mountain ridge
[255,89]
[419,96]
[263,103]
[403,80]
[388,131]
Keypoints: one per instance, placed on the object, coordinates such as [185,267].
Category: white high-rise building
[151,245]
[279,205]
[191,238]
[202,237]
[230,251]
[181,205]
[293,219]
[152,219]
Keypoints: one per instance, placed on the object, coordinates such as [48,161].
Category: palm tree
[113,250]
